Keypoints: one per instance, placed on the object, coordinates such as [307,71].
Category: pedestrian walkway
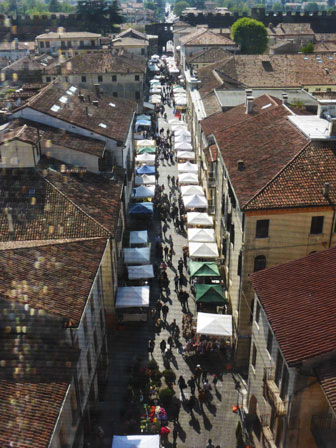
[214,419]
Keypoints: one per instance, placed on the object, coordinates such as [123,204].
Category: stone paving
[216,420]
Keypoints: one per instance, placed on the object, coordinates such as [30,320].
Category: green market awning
[203,269]
[210,294]
[147,150]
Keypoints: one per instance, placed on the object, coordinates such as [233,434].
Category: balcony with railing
[272,392]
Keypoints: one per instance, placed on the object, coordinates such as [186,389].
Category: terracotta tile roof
[211,104]
[300,183]
[298,298]
[265,143]
[125,41]
[55,278]
[98,197]
[16,130]
[71,34]
[208,56]
[25,63]
[192,33]
[223,120]
[209,38]
[38,211]
[101,62]
[291,29]
[325,47]
[132,33]
[116,118]
[77,142]
[327,376]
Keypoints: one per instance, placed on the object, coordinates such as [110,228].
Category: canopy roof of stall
[147,150]
[201,235]
[210,294]
[148,158]
[144,180]
[138,272]
[143,192]
[203,250]
[139,237]
[142,208]
[182,131]
[203,269]
[186,155]
[189,190]
[137,255]
[132,296]
[152,441]
[144,123]
[183,146]
[199,219]
[145,169]
[145,142]
[188,178]
[187,167]
[214,324]
[195,201]
[143,117]
[182,138]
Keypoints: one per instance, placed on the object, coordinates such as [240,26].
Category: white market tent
[182,138]
[129,296]
[151,441]
[195,201]
[183,146]
[214,324]
[182,131]
[139,272]
[155,90]
[189,190]
[145,179]
[186,155]
[199,219]
[149,159]
[187,167]
[188,179]
[139,237]
[155,99]
[201,235]
[154,82]
[137,255]
[144,143]
[179,127]
[203,250]
[173,121]
[143,192]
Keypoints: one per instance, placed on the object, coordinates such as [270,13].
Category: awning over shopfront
[144,180]
[137,255]
[210,294]
[190,190]
[214,324]
[203,269]
[136,441]
[188,178]
[203,250]
[139,272]
[139,237]
[146,158]
[195,201]
[201,235]
[199,219]
[142,208]
[187,167]
[143,192]
[132,296]
[145,169]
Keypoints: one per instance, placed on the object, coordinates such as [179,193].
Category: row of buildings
[264,131]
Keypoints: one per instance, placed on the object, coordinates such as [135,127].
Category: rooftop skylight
[64,99]
[55,108]
[102,125]
[112,104]
[266,106]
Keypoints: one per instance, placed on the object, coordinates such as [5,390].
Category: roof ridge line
[44,243]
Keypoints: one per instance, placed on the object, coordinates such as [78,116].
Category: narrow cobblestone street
[215,418]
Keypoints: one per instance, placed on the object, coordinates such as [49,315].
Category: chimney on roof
[249,104]
[97,90]
[284,98]
[326,189]
[240,165]
[332,127]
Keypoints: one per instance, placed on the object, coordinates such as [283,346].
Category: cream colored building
[67,43]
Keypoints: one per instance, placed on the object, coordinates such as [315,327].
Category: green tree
[311,7]
[308,49]
[99,15]
[277,7]
[180,6]
[54,6]
[150,5]
[251,35]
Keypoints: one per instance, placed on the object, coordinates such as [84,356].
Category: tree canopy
[308,49]
[98,15]
[180,6]
[251,35]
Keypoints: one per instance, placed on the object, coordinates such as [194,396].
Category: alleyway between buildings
[214,419]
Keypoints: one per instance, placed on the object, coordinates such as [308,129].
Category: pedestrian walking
[166,251]
[158,307]
[192,385]
[170,341]
[164,229]
[214,381]
[198,372]
[210,444]
[171,156]
[201,396]
[180,266]
[168,178]
[171,253]
[176,281]
[206,386]
[204,375]
[173,181]
[151,345]
[165,311]
[163,345]
[182,384]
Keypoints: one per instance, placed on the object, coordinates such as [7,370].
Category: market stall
[144,180]
[138,237]
[142,124]
[183,146]
[201,235]
[141,208]
[181,138]
[190,190]
[214,324]
[185,155]
[145,142]
[143,192]
[182,131]
[187,167]
[147,150]
[203,250]
[188,179]
[148,441]
[140,272]
[199,219]
[212,294]
[203,269]
[132,303]
[149,159]
[145,169]
[136,255]
[195,202]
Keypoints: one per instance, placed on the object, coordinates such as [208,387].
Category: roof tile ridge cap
[40,93]
[73,203]
[278,174]
[45,243]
